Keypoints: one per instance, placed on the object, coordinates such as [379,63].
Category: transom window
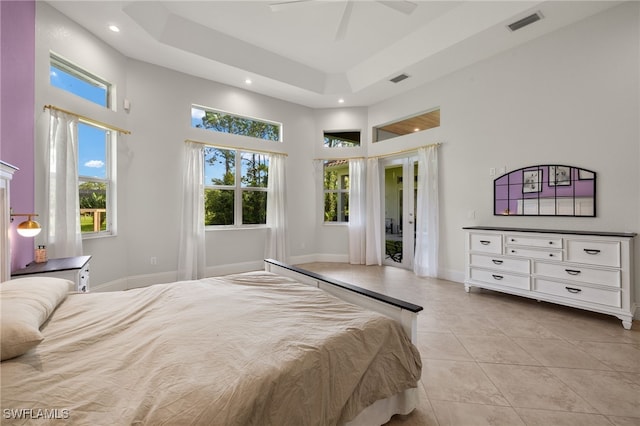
[416,123]
[235,187]
[342,139]
[73,79]
[336,191]
[95,179]
[224,122]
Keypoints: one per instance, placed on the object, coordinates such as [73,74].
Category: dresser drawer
[553,242]
[535,253]
[604,253]
[578,292]
[500,263]
[604,277]
[486,243]
[501,278]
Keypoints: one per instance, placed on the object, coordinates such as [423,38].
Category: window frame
[240,116]
[238,190]
[110,180]
[341,135]
[82,74]
[338,191]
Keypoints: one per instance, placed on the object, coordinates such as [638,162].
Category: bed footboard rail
[404,312]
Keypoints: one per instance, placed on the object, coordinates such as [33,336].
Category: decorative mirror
[547,190]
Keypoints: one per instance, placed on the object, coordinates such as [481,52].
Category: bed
[281,346]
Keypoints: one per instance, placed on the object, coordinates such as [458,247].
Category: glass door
[399,194]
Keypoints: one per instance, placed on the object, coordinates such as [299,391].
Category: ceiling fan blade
[403,6]
[344,22]
[285,5]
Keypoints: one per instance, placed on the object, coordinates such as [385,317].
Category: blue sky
[92,151]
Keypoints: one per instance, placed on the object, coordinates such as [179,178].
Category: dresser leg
[626,323]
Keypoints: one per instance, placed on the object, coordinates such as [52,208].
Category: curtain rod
[214,145]
[89,120]
[383,155]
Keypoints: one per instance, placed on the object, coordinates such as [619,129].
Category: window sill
[97,235]
[234,228]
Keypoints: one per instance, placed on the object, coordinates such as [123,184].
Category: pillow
[25,304]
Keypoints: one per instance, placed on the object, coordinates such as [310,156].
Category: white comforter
[246,349]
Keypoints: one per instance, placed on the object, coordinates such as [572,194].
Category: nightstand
[74,269]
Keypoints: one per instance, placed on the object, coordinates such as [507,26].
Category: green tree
[219,203]
[93,195]
[227,123]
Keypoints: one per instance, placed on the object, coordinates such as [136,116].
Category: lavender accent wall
[17,89]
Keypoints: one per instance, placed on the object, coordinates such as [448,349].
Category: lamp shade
[29,228]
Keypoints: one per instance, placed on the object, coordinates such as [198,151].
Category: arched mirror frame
[545,190]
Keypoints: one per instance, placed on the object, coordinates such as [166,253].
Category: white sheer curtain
[357,213]
[64,238]
[426,254]
[373,206]
[276,245]
[192,255]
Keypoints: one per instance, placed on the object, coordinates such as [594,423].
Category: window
[235,187]
[417,123]
[96,187]
[223,122]
[343,139]
[336,191]
[73,79]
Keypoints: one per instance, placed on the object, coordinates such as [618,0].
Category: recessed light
[114,28]
[416,130]
[247,81]
[340,101]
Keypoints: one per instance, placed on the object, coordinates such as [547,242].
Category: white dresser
[587,270]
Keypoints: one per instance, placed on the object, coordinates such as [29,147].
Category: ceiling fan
[403,6]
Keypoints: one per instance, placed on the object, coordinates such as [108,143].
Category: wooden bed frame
[404,312]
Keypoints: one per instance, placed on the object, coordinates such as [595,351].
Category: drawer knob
[550,242]
[572,271]
[497,262]
[591,251]
[485,242]
[573,290]
[497,277]
[550,254]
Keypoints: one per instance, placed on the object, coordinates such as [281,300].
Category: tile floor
[495,359]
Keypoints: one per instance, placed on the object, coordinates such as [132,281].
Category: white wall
[571,97]
[150,159]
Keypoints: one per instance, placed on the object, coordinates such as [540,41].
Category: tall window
[70,77]
[235,187]
[96,186]
[336,191]
[224,122]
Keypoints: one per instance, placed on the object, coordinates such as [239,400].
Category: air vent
[528,20]
[399,78]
